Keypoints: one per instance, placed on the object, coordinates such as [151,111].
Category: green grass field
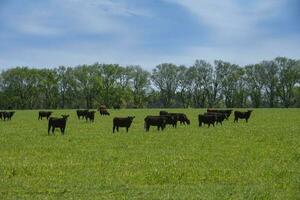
[255,160]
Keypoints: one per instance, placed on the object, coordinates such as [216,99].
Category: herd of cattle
[211,117]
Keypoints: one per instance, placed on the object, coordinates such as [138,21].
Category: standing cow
[158,121]
[81,113]
[90,115]
[57,123]
[42,114]
[242,115]
[122,122]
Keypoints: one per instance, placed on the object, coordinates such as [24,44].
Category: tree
[289,75]
[140,85]
[270,82]
[165,78]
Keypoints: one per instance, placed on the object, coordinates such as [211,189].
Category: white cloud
[231,19]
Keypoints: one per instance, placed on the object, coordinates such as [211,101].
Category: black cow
[226,112]
[104,112]
[171,119]
[122,122]
[57,123]
[90,115]
[207,119]
[1,114]
[181,117]
[242,115]
[81,113]
[7,115]
[162,112]
[219,116]
[159,121]
[44,114]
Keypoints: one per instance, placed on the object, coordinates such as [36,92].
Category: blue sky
[50,33]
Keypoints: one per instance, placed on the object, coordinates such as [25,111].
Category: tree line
[273,83]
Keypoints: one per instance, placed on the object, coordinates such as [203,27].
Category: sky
[50,33]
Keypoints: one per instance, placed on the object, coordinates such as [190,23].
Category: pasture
[255,160]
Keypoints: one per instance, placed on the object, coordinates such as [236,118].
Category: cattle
[81,113]
[162,112]
[219,116]
[242,115]
[159,121]
[90,115]
[226,112]
[122,122]
[1,114]
[7,115]
[104,112]
[181,117]
[207,119]
[57,123]
[44,114]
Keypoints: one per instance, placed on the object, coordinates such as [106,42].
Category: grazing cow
[7,115]
[171,119]
[44,114]
[207,119]
[81,113]
[104,112]
[122,122]
[57,123]
[242,115]
[159,121]
[90,115]
[226,112]
[219,116]
[181,117]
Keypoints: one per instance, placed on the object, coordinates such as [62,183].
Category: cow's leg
[246,120]
[114,128]
[127,129]
[62,130]
[53,128]
[117,128]
[49,127]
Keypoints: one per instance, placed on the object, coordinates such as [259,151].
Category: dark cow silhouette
[57,123]
[104,112]
[44,114]
[171,119]
[122,122]
[81,113]
[242,115]
[7,115]
[181,117]
[226,112]
[219,116]
[90,115]
[1,115]
[207,119]
[162,112]
[159,121]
